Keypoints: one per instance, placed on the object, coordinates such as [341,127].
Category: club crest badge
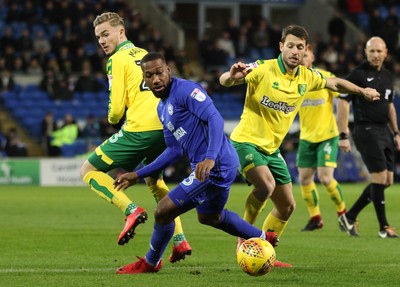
[302,89]
[170,110]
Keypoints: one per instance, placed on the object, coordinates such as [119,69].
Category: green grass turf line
[67,236]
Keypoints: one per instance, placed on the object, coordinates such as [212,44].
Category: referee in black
[375,134]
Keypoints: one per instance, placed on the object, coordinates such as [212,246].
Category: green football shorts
[250,156]
[127,150]
[313,155]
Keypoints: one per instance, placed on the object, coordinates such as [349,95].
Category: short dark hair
[153,56]
[295,30]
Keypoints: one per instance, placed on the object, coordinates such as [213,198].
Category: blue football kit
[193,125]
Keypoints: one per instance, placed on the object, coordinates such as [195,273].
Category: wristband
[396,133]
[343,136]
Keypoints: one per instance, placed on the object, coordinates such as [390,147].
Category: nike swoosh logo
[349,226]
[369,79]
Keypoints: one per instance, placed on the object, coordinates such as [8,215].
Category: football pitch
[67,236]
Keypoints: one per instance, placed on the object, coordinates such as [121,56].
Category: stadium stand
[72,43]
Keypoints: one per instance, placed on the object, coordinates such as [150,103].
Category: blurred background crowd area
[52,68]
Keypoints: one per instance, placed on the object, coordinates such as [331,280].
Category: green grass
[53,236]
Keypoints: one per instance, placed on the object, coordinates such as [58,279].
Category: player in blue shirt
[192,125]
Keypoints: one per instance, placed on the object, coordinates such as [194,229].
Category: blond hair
[113,18]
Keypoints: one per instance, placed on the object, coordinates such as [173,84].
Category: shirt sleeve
[215,126]
[117,88]
[201,105]
[317,81]
[169,156]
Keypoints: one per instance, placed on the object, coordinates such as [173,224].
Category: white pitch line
[46,270]
[82,270]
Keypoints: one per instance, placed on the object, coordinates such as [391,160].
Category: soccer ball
[256,256]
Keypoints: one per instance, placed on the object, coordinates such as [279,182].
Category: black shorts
[376,146]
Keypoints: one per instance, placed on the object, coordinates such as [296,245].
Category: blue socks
[160,238]
[233,224]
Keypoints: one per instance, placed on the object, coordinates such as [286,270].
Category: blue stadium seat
[347,170]
[11,104]
[363,21]
[47,105]
[290,159]
[32,124]
[383,11]
[33,95]
[17,28]
[31,88]
[37,27]
[78,147]
[103,96]
[89,96]
[52,29]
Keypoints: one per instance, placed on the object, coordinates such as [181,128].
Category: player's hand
[371,94]
[203,169]
[119,125]
[125,180]
[344,145]
[397,142]
[239,71]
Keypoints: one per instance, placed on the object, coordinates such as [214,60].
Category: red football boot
[140,266]
[132,220]
[180,251]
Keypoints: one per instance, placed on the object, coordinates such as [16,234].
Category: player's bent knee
[209,219]
[325,180]
[85,168]
[165,211]
[287,209]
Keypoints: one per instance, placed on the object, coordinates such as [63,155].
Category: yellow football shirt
[317,119]
[127,91]
[273,98]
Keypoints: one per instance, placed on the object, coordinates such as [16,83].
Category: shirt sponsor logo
[198,95]
[309,102]
[279,106]
[179,133]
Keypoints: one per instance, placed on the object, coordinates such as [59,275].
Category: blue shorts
[209,196]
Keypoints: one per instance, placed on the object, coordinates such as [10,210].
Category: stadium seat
[52,29]
[290,159]
[88,96]
[11,104]
[363,21]
[77,148]
[347,170]
[103,96]
[31,88]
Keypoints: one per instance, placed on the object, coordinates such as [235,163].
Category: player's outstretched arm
[235,76]
[347,87]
